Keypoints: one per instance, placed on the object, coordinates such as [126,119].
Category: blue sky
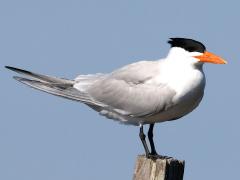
[46,137]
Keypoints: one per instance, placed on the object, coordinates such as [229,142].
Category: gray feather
[68,92]
[41,77]
[127,92]
[137,73]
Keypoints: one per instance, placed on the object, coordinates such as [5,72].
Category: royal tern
[144,92]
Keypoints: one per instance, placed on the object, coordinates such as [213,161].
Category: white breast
[188,82]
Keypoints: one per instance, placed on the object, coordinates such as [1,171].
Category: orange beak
[211,58]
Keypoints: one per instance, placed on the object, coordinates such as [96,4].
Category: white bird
[145,92]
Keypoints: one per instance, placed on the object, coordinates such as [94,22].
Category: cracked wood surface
[162,168]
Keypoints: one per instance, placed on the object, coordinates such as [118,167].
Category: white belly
[190,90]
[176,111]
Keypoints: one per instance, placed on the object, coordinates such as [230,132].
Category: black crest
[187,44]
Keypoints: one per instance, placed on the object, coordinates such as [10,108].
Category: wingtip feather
[17,78]
[18,70]
[9,67]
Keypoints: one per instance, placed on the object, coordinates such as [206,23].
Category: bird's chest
[189,88]
[183,81]
[188,85]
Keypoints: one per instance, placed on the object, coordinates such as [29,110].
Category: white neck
[181,70]
[182,58]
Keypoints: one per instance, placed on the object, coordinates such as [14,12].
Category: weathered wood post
[158,169]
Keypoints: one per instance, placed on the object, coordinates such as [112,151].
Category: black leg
[142,137]
[150,137]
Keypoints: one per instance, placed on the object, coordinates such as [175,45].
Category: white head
[189,51]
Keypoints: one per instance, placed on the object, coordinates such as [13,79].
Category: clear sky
[43,137]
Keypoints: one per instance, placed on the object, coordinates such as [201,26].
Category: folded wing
[128,92]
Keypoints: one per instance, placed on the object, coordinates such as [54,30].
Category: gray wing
[127,91]
[138,72]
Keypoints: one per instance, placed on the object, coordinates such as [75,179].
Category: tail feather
[41,77]
[56,86]
[66,92]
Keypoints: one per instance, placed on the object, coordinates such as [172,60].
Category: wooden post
[158,169]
